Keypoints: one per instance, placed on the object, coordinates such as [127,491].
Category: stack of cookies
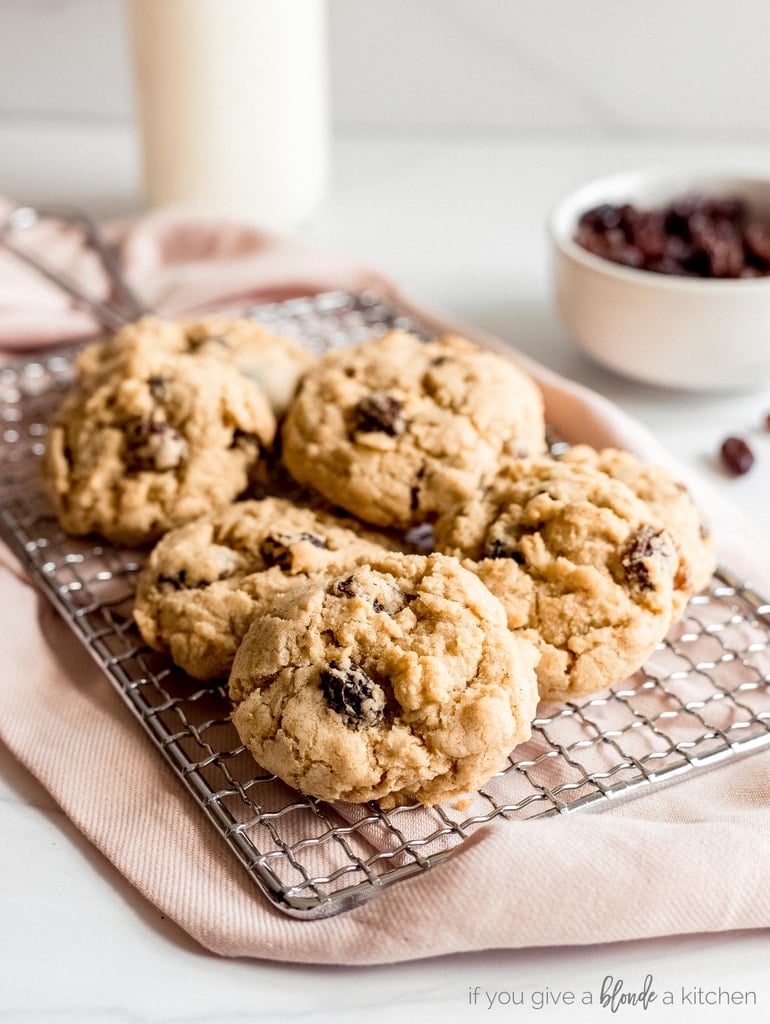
[289,500]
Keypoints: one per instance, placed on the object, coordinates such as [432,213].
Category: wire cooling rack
[703,697]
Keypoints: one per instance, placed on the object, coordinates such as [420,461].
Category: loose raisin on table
[737,456]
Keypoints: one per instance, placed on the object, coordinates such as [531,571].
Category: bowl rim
[563,217]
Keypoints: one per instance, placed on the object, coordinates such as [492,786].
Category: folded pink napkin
[177,263]
[687,858]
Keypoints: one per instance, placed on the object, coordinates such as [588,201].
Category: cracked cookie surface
[396,682]
[276,363]
[151,441]
[204,582]
[396,429]
[673,505]
[582,566]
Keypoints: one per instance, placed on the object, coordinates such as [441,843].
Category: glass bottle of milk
[232,105]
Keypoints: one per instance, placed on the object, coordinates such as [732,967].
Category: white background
[680,66]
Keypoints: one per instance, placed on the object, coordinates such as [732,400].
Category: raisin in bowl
[664,277]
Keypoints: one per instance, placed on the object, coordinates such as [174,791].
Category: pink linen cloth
[688,858]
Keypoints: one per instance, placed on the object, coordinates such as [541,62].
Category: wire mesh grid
[702,698]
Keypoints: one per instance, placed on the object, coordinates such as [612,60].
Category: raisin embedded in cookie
[204,582]
[397,681]
[274,362]
[395,430]
[673,505]
[152,441]
[582,566]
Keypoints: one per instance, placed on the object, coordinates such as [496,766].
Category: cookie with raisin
[204,582]
[153,440]
[583,567]
[397,429]
[397,681]
[671,503]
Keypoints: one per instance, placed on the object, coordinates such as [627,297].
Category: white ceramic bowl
[685,332]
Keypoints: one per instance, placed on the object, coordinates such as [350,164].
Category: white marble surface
[597,64]
[458,222]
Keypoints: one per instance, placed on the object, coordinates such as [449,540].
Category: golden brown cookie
[396,430]
[151,441]
[581,565]
[204,582]
[397,681]
[673,505]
